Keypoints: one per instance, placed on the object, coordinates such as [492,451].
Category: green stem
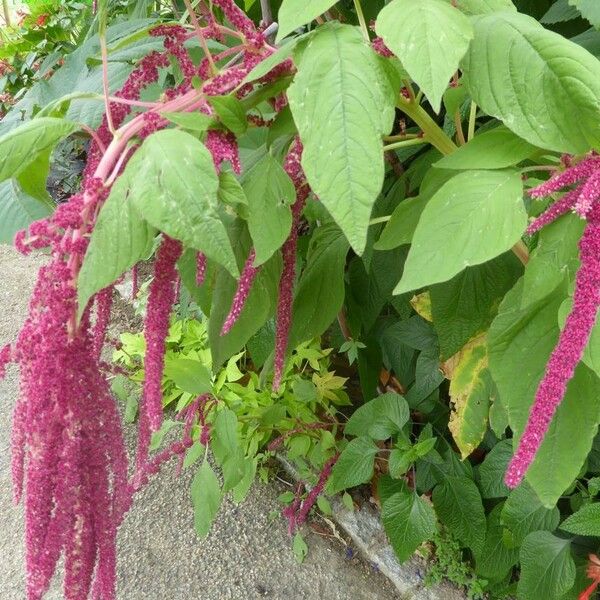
[378,220]
[433,133]
[361,20]
[472,118]
[6,8]
[406,143]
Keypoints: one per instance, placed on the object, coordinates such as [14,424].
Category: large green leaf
[18,210]
[547,567]
[480,7]
[472,218]
[320,293]
[190,375]
[294,14]
[270,192]
[523,513]
[354,466]
[586,521]
[402,224]
[342,103]
[495,559]
[119,240]
[430,37]
[492,469]
[590,9]
[25,144]
[512,50]
[379,418]
[206,498]
[495,149]
[408,521]
[171,181]
[467,304]
[458,505]
[520,341]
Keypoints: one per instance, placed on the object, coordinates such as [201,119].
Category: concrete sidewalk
[245,557]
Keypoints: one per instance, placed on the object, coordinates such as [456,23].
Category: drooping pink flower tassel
[312,496]
[223,147]
[565,356]
[200,268]
[104,300]
[156,327]
[283,322]
[247,278]
[5,359]
[553,212]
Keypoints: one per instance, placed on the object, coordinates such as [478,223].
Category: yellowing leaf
[422,305]
[471,389]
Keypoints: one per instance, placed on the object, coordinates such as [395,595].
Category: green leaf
[171,181]
[224,439]
[547,567]
[589,9]
[458,505]
[409,29]
[354,466]
[480,7]
[492,469]
[230,190]
[206,498]
[495,560]
[189,375]
[472,218]
[467,304]
[159,436]
[299,548]
[18,210]
[33,178]
[120,239]
[270,192]
[320,291]
[379,418]
[523,513]
[510,50]
[294,14]
[402,224]
[408,521]
[560,12]
[586,521]
[196,121]
[471,389]
[342,103]
[25,144]
[494,149]
[268,64]
[230,112]
[513,334]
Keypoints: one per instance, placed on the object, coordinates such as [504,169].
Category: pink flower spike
[200,268]
[572,175]
[104,300]
[589,193]
[566,355]
[247,278]
[554,211]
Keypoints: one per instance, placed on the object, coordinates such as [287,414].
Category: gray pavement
[247,555]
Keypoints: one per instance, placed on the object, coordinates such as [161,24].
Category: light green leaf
[494,149]
[294,14]
[520,340]
[189,375]
[196,121]
[268,64]
[458,505]
[408,521]
[354,466]
[472,218]
[379,418]
[402,224]
[342,103]
[480,7]
[586,521]
[320,291]
[590,9]
[25,144]
[429,37]
[18,210]
[270,192]
[230,190]
[230,112]
[119,240]
[206,498]
[547,567]
[492,469]
[172,182]
[224,439]
[300,548]
[511,50]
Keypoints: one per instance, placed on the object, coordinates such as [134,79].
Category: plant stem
[401,137]
[378,220]
[200,36]
[267,15]
[459,129]
[6,9]
[406,143]
[433,133]
[472,118]
[361,20]
[104,51]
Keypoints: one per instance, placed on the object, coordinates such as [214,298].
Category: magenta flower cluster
[585,200]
